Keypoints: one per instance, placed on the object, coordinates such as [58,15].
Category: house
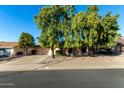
[115,50]
[7,48]
[74,51]
[121,41]
[11,49]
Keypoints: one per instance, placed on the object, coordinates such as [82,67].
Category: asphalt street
[63,79]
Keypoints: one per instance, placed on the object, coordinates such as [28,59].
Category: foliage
[110,27]
[26,41]
[49,20]
[63,27]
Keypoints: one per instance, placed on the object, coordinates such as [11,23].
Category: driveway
[25,63]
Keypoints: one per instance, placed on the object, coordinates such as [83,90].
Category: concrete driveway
[25,63]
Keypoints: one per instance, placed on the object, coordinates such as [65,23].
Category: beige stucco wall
[12,52]
[40,51]
[17,49]
[44,51]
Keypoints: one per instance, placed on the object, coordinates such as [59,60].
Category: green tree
[118,36]
[49,20]
[92,28]
[25,41]
[67,27]
[78,26]
[62,27]
[110,28]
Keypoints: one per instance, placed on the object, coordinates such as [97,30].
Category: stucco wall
[16,49]
[39,51]
[42,51]
[11,52]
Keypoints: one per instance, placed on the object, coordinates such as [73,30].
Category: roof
[8,44]
[121,41]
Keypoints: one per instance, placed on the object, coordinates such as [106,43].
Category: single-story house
[121,41]
[117,49]
[11,49]
[7,48]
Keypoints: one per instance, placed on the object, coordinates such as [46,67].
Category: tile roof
[8,44]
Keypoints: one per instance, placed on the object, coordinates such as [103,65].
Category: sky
[17,19]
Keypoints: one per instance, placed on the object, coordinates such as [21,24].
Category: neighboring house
[121,41]
[7,48]
[12,49]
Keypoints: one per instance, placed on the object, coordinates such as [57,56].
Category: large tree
[67,27]
[86,27]
[62,27]
[92,28]
[109,32]
[78,26]
[49,21]
[25,41]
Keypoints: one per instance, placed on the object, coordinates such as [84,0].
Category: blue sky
[17,19]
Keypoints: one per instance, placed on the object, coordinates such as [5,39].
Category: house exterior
[7,48]
[11,49]
[115,50]
[121,41]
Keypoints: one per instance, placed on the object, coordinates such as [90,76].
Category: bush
[59,53]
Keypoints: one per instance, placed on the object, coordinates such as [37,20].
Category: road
[104,78]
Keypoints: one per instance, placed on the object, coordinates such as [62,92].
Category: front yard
[99,62]
[44,62]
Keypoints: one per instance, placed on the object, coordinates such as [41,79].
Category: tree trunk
[97,49]
[93,51]
[66,52]
[87,51]
[25,51]
[78,51]
[62,51]
[53,55]
[72,54]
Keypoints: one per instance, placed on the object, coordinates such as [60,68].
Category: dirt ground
[98,62]
[44,62]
